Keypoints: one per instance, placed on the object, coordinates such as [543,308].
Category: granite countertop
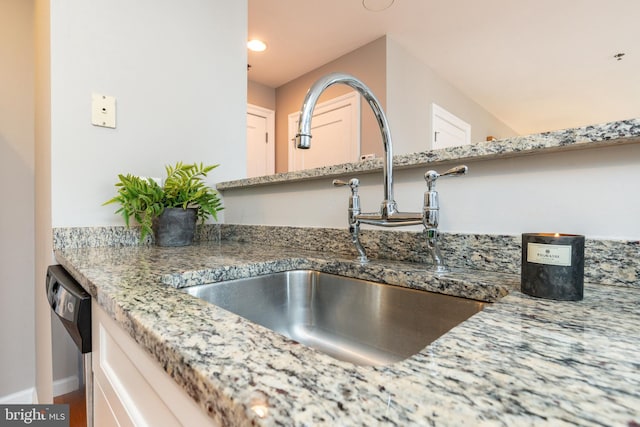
[585,137]
[521,361]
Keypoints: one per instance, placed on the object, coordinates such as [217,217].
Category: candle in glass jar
[553,266]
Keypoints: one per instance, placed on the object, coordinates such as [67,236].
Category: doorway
[448,129]
[261,153]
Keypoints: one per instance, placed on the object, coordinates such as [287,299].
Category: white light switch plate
[103,110]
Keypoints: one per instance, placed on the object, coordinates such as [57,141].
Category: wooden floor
[77,410]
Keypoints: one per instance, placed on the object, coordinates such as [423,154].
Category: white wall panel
[589,192]
[178,73]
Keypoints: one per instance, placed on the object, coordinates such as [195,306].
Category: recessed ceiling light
[256,45]
[377,5]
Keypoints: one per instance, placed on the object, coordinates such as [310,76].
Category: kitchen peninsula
[520,361]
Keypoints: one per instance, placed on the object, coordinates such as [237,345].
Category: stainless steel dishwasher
[71,305]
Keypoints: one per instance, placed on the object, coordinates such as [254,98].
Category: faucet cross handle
[431,176]
[431,214]
[354,211]
[353,184]
[431,207]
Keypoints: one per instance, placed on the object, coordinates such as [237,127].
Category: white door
[336,134]
[260,141]
[448,130]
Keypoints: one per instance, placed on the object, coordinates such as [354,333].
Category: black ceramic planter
[175,227]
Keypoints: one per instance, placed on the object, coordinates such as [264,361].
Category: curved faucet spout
[303,137]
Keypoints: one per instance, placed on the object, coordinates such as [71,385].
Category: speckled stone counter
[609,262]
[521,361]
[593,136]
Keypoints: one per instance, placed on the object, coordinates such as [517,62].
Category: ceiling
[536,64]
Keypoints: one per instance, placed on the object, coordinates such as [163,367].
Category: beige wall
[368,64]
[406,88]
[44,245]
[261,95]
[412,87]
[17,357]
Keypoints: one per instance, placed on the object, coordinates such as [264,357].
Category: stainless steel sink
[358,321]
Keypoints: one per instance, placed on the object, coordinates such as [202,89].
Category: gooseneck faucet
[388,216]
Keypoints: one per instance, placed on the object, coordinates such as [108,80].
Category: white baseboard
[30,396]
[65,385]
[24,397]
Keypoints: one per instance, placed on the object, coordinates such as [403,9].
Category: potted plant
[169,211]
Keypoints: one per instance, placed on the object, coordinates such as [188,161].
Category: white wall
[17,214]
[178,72]
[588,192]
[412,86]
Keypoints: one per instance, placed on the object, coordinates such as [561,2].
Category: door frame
[269,115]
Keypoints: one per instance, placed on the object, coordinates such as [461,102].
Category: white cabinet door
[103,414]
[130,388]
[335,130]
